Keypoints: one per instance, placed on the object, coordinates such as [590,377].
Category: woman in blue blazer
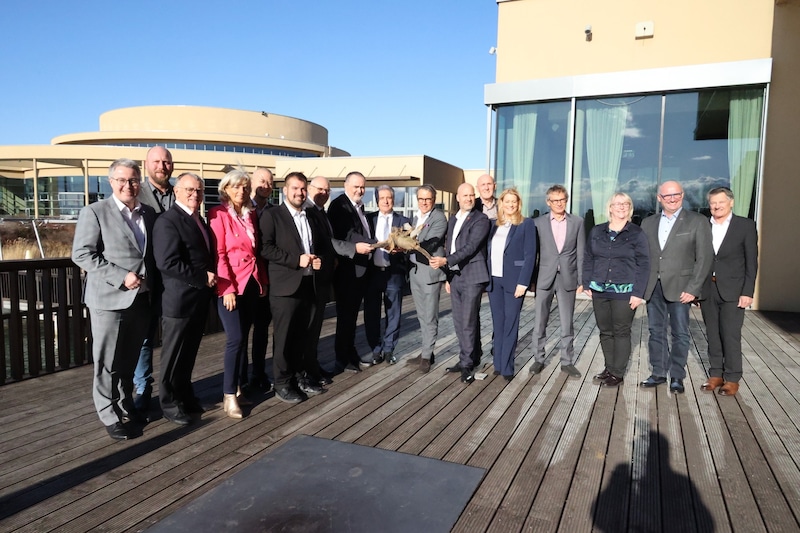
[511,257]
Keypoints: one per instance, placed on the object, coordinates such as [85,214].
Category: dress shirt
[421,219]
[135,221]
[461,216]
[359,207]
[665,225]
[718,231]
[383,225]
[559,229]
[304,230]
[499,248]
[164,199]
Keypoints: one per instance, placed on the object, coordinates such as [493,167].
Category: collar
[673,217]
[186,209]
[121,206]
[724,222]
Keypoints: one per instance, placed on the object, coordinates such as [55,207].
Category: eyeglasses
[620,204]
[132,182]
[557,200]
[673,196]
[424,199]
[191,190]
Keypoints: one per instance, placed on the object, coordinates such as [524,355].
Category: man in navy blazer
[349,223]
[113,244]
[183,250]
[728,290]
[386,281]
[467,233]
[680,259]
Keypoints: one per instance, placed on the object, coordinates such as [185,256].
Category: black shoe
[325,378]
[366,364]
[653,381]
[508,378]
[352,368]
[536,368]
[117,431]
[390,358]
[289,395]
[142,401]
[676,385]
[571,371]
[261,383]
[309,386]
[602,375]
[137,417]
[377,359]
[177,416]
[611,381]
[466,376]
[454,368]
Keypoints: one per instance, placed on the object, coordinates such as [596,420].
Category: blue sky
[385,77]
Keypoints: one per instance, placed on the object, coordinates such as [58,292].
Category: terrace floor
[560,454]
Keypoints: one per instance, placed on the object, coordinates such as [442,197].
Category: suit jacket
[347,226]
[736,262]
[237,258]
[146,197]
[569,261]
[397,261]
[282,248]
[184,260]
[687,257]
[519,254]
[337,246]
[468,263]
[106,248]
[431,238]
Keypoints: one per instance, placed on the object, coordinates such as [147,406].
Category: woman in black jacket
[616,266]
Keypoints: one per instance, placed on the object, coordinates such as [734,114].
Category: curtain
[519,142]
[605,136]
[744,134]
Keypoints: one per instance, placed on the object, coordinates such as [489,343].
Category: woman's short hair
[624,197]
[517,218]
[233,178]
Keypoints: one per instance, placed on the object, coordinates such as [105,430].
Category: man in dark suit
[425,281]
[467,234]
[291,239]
[728,290]
[386,281]
[558,272]
[113,245]
[681,256]
[157,192]
[183,250]
[349,223]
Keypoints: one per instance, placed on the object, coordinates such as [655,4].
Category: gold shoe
[231,406]
[241,398]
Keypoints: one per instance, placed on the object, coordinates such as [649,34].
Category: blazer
[569,261]
[146,197]
[282,248]
[237,259]
[184,260]
[106,248]
[397,261]
[687,257]
[337,246]
[519,254]
[736,262]
[347,226]
[431,238]
[468,262]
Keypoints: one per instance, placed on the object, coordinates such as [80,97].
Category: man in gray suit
[113,245]
[561,240]
[681,256]
[426,282]
[157,192]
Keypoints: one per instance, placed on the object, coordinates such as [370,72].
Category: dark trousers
[662,316]
[322,296]
[349,295]
[261,318]
[387,288]
[181,340]
[505,321]
[291,321]
[724,322]
[614,318]
[465,300]
[236,324]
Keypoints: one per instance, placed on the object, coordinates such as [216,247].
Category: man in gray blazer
[113,245]
[561,240]
[426,282]
[681,256]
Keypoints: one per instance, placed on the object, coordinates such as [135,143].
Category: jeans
[143,374]
[661,316]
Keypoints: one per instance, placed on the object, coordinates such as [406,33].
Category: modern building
[57,180]
[624,95]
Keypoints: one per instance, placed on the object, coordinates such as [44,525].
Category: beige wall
[545,38]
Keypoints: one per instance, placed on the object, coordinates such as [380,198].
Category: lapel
[675,227]
[546,229]
[288,220]
[117,215]
[730,237]
[511,231]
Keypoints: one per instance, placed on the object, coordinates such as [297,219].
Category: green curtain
[744,142]
[605,136]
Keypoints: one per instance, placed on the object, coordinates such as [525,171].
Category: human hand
[635,302]
[363,248]
[745,301]
[229,301]
[211,279]
[437,262]
[132,281]
[520,291]
[316,263]
[687,298]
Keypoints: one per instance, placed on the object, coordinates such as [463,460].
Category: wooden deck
[560,454]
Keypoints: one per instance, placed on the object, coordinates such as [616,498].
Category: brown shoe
[424,365]
[711,384]
[729,389]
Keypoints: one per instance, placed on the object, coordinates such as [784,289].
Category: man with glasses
[426,282]
[113,246]
[184,255]
[558,273]
[681,256]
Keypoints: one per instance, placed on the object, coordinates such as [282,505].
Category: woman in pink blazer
[241,278]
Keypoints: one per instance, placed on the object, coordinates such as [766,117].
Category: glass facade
[216,147]
[597,146]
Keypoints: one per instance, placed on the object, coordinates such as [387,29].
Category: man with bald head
[261,184]
[681,257]
[486,202]
[468,275]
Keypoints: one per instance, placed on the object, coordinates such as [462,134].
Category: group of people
[151,259]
